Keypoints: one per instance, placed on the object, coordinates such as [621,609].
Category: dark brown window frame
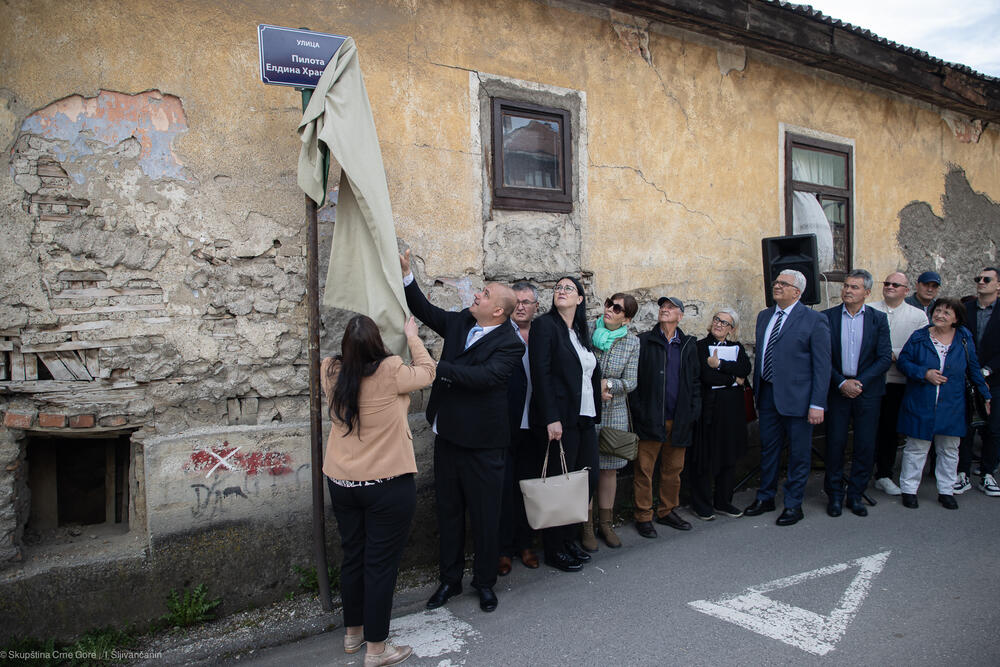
[532,199]
[847,193]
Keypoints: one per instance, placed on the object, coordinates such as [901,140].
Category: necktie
[473,335]
[768,371]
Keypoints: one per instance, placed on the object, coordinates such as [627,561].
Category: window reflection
[531,152]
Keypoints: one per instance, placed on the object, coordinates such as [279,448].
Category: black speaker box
[798,252]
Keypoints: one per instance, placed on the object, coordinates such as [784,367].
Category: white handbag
[558,500]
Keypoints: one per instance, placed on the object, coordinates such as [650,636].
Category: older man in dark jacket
[665,406]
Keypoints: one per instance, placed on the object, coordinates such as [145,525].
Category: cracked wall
[958,243]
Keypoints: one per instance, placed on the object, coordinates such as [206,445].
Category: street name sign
[294,57]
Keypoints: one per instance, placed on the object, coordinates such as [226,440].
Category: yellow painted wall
[683,162]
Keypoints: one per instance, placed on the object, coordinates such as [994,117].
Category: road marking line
[433,633]
[815,633]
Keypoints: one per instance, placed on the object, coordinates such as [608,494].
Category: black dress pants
[374,524]
[887,438]
[467,478]
[524,461]
[703,498]
[580,446]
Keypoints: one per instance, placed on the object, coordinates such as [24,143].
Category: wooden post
[315,414]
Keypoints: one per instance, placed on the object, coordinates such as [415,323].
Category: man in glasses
[984,322]
[524,461]
[928,286]
[904,319]
[861,354]
[791,377]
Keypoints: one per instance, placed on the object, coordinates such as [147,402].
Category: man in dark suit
[984,323]
[791,376]
[468,413]
[525,458]
[861,354]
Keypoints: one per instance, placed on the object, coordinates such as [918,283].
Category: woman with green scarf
[617,352]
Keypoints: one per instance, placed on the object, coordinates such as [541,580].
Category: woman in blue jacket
[936,361]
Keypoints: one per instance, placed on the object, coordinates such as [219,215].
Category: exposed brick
[48,420]
[81,421]
[114,420]
[18,420]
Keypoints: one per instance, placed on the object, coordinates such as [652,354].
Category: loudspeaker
[797,252]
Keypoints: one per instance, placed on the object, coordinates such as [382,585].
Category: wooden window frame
[532,199]
[846,193]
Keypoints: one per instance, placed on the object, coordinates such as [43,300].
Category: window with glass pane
[531,157]
[818,191]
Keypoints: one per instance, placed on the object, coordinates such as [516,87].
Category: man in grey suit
[791,376]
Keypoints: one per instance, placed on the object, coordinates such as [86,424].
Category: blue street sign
[292,57]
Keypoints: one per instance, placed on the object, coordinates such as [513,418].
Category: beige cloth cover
[364,271]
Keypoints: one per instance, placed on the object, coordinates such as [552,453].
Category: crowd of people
[512,385]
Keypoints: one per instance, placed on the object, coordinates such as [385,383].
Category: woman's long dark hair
[579,317]
[361,351]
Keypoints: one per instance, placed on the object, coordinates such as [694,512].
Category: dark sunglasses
[891,284]
[983,279]
[615,307]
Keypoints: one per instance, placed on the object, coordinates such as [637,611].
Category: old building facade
[153,366]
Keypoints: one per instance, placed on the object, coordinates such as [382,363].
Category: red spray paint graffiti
[230,458]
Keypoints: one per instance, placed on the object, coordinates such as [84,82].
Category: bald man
[904,319]
[468,413]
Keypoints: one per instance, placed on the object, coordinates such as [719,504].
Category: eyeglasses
[526,303]
[892,284]
[983,279]
[783,284]
[717,320]
[569,289]
[617,308]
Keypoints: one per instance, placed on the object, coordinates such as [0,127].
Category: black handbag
[975,404]
[616,442]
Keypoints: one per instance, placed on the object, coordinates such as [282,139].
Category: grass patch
[190,608]
[309,580]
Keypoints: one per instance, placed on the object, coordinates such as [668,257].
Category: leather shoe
[645,528]
[947,501]
[442,594]
[564,562]
[790,517]
[530,559]
[576,552]
[503,567]
[857,507]
[487,599]
[833,507]
[758,507]
[909,500]
[674,521]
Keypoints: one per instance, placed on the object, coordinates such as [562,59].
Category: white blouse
[589,362]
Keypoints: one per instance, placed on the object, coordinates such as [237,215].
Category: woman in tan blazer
[370,468]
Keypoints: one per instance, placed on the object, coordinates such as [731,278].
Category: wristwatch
[987,371]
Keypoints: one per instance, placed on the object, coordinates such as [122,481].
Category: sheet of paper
[727,353]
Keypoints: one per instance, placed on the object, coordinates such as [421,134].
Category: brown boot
[587,538]
[606,529]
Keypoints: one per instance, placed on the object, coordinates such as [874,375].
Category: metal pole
[315,414]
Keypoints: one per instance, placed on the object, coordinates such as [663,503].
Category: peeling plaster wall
[151,229]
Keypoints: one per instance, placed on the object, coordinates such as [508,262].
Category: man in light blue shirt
[861,353]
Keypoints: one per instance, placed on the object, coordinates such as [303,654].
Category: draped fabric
[363,275]
[808,218]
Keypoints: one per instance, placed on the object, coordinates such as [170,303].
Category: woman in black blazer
[565,403]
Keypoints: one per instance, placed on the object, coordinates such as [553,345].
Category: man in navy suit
[791,376]
[861,354]
[467,411]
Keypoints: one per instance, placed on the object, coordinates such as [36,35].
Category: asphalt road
[898,587]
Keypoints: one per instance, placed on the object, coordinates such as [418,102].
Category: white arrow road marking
[433,633]
[798,627]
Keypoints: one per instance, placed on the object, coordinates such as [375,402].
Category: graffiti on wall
[227,474]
